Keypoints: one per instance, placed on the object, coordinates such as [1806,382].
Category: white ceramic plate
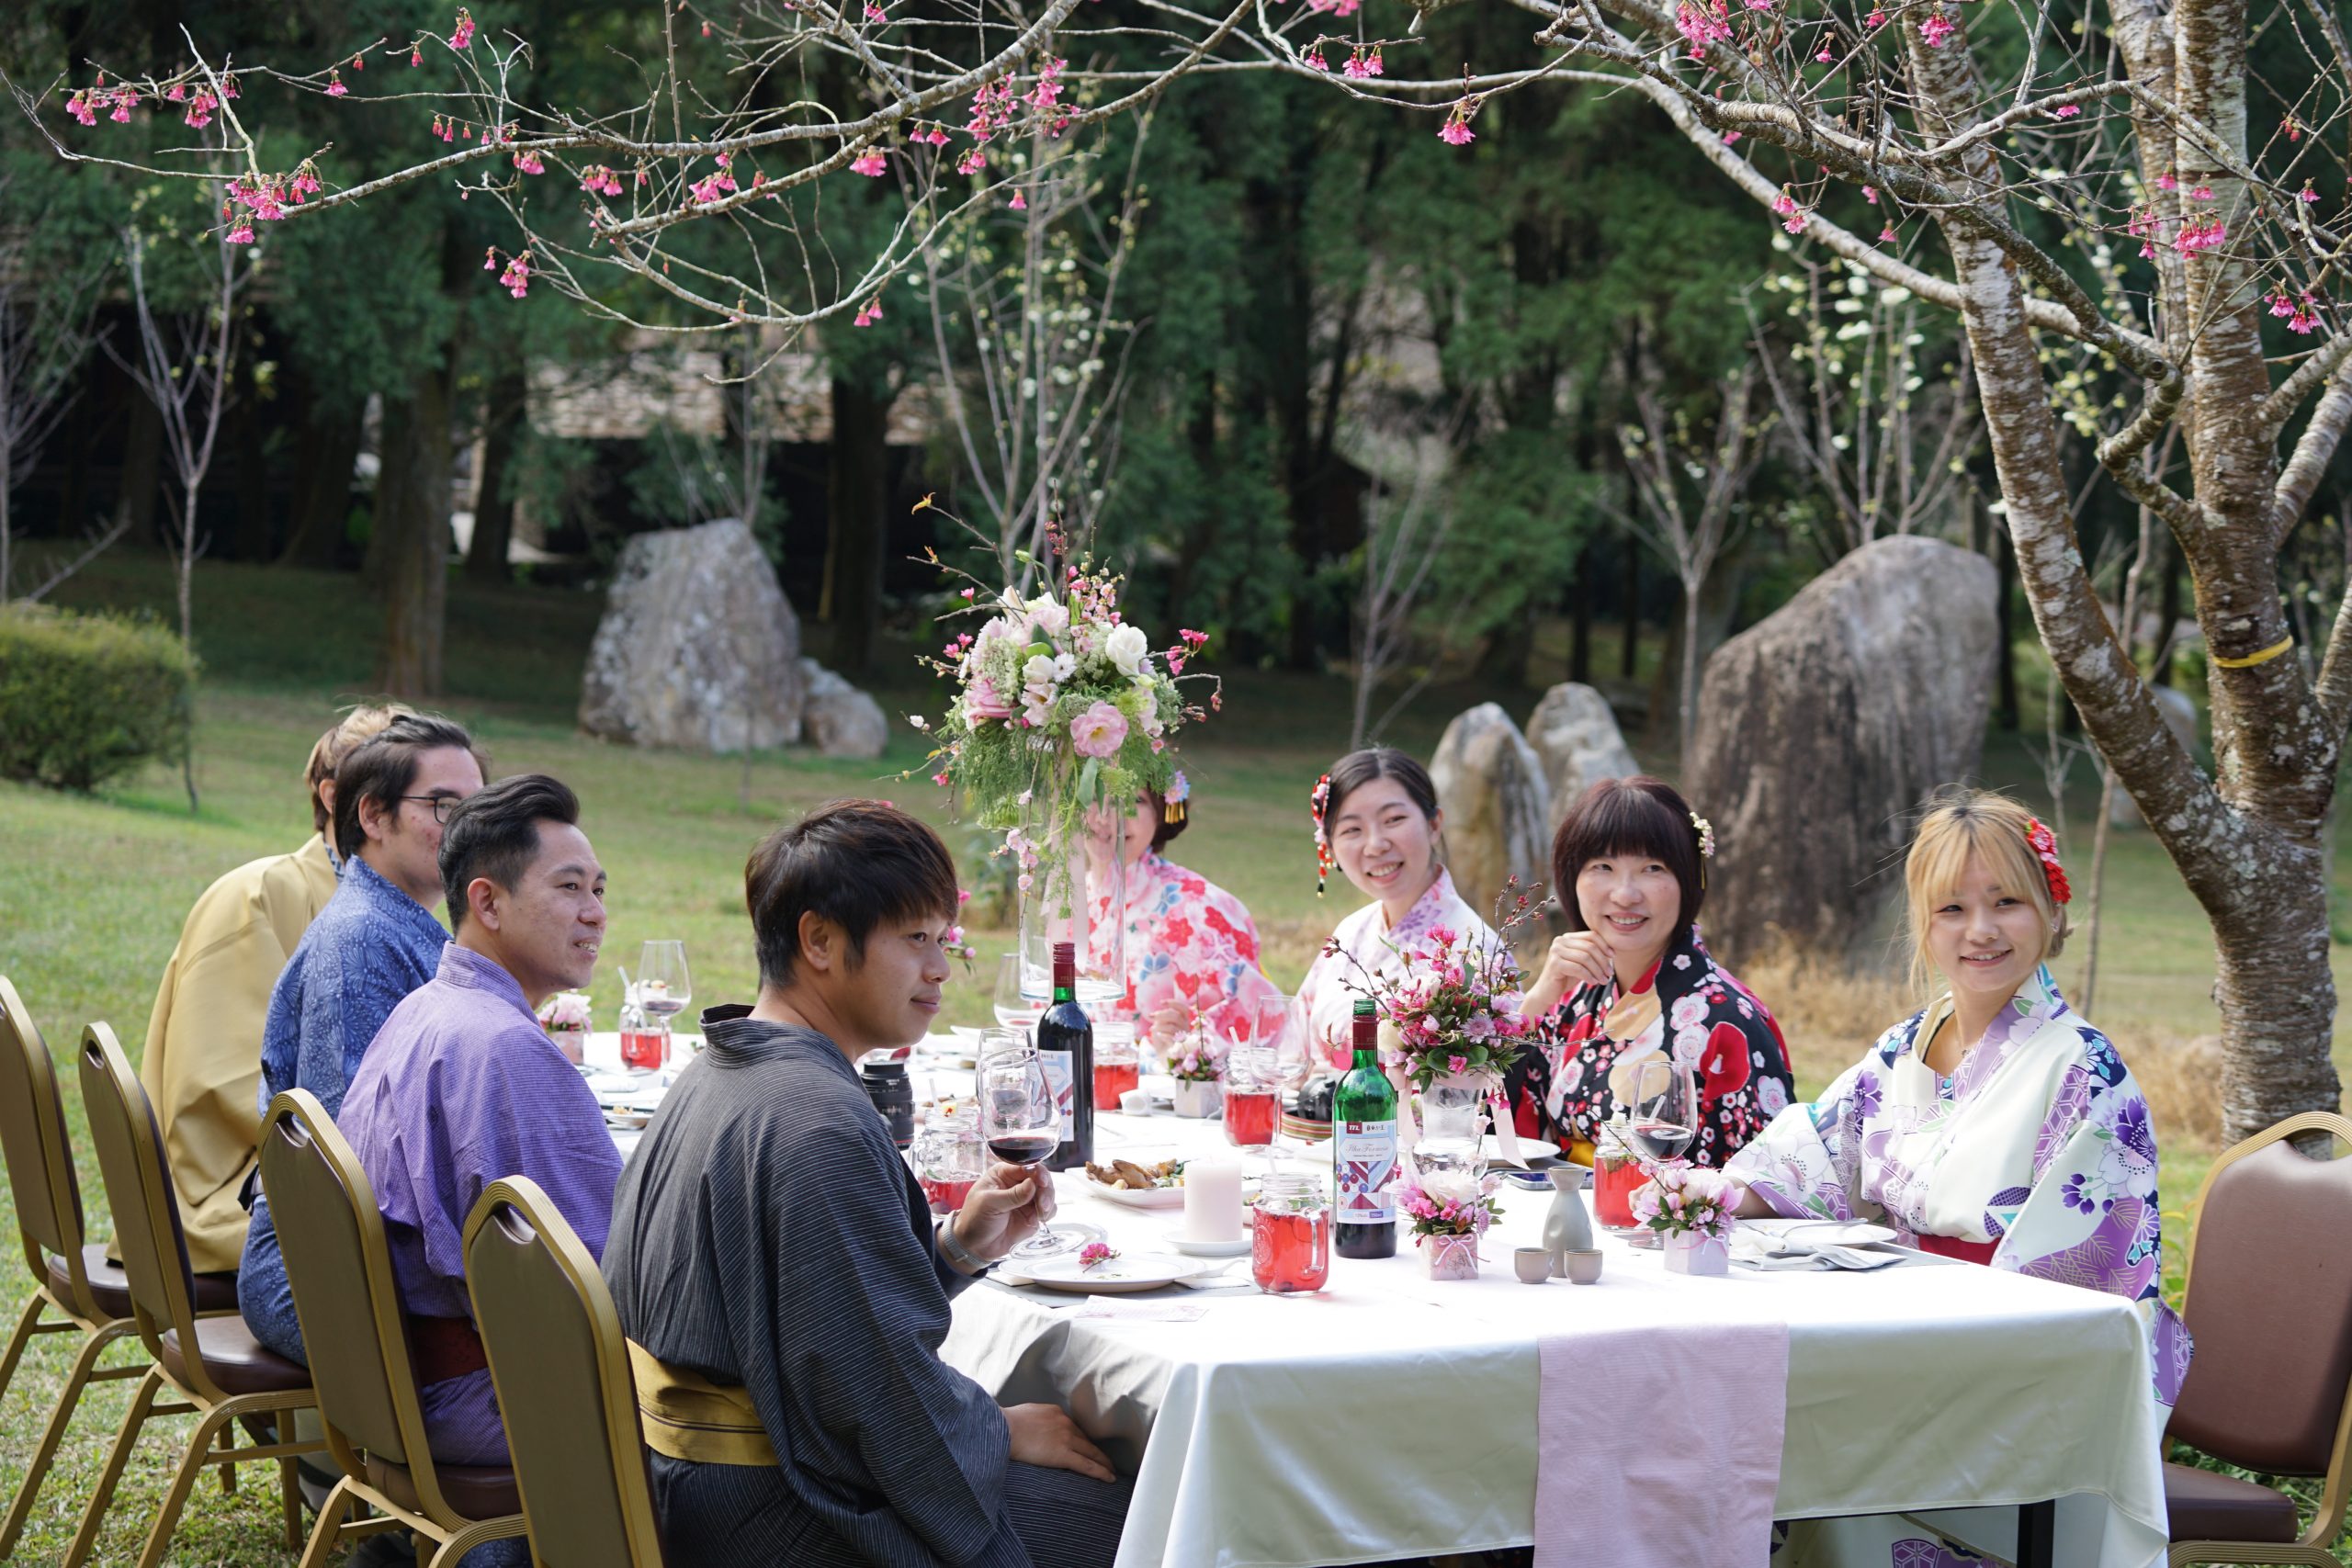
[1151,1198]
[1116,1277]
[1176,1239]
[1822,1232]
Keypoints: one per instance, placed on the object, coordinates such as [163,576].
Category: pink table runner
[1660,1447]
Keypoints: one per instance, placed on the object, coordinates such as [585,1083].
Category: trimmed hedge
[86,697]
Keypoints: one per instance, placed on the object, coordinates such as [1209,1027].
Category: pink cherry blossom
[200,107]
[415,56]
[973,160]
[868,162]
[1019,203]
[78,106]
[2202,193]
[1313,59]
[2306,195]
[869,312]
[1455,133]
[516,278]
[1875,20]
[1886,235]
[1824,57]
[1701,24]
[463,38]
[124,99]
[1870,194]
[2167,181]
[1938,29]
[243,234]
[529,162]
[2065,111]
[2201,234]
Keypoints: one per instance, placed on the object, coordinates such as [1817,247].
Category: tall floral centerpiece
[1063,712]
[1450,1030]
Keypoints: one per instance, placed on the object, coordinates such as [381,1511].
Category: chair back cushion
[331,1237]
[139,1190]
[32,1134]
[2270,1304]
[565,1388]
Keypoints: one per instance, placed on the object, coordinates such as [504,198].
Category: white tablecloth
[1390,1416]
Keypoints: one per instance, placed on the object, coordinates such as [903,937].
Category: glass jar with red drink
[1118,1067]
[1616,1176]
[948,1154]
[1252,1097]
[645,1040]
[1290,1243]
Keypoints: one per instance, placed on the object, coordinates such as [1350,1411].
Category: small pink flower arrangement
[1199,1056]
[1095,1253]
[1681,1198]
[1446,1202]
[1455,1006]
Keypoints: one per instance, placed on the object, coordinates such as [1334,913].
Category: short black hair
[382,767]
[1637,816]
[1356,769]
[494,833]
[856,862]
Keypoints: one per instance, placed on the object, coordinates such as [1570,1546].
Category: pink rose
[1100,731]
[1456,1063]
[981,702]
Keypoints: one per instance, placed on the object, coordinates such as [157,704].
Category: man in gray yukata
[771,1252]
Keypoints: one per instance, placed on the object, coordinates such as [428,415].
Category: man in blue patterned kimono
[375,943]
[770,1248]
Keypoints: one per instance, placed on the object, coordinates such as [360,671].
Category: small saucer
[1175,1239]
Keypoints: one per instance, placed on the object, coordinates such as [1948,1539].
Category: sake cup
[1584,1268]
[1136,1103]
[1533,1264]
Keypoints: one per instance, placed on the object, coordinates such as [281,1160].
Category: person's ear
[327,800]
[482,902]
[822,946]
[374,821]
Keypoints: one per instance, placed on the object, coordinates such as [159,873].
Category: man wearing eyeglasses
[376,940]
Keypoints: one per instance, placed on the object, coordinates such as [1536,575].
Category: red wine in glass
[1024,1148]
[1661,1140]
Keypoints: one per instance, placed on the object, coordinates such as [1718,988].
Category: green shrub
[85,697]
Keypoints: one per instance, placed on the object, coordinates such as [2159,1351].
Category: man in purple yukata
[463,1087]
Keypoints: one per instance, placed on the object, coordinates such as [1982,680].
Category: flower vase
[1076,893]
[1196,1096]
[1453,1127]
[1449,1257]
[1688,1252]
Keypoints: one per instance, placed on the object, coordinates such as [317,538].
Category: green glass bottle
[1363,1149]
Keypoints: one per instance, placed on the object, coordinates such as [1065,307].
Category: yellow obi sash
[685,1415]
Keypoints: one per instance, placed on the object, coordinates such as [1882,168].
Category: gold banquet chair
[221,1374]
[2270,1300]
[71,1274]
[561,1368]
[340,1266]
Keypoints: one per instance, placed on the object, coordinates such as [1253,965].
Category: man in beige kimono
[202,1065]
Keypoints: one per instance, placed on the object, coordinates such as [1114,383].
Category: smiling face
[1383,842]
[892,996]
[1985,938]
[1634,902]
[546,929]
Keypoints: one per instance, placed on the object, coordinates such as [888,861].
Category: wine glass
[1663,1121]
[1021,1121]
[1015,1008]
[663,985]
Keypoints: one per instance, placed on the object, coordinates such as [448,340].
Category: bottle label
[1364,1156]
[1065,1095]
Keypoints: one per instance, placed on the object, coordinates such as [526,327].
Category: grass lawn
[93,890]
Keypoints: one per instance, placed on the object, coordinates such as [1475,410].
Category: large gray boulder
[2178,710]
[839,719]
[1490,787]
[1577,744]
[698,649]
[1824,728]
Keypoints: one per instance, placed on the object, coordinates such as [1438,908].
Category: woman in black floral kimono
[1632,981]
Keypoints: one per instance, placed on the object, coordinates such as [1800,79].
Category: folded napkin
[1659,1447]
[1760,1249]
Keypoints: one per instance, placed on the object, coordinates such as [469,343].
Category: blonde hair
[1989,826]
[360,724]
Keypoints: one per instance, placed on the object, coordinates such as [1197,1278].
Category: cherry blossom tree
[2096,194]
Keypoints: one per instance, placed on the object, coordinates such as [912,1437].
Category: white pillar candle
[1213,1200]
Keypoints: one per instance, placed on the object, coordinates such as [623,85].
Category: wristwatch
[955,1252]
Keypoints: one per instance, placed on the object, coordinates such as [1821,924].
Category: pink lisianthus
[1457,1062]
[1098,732]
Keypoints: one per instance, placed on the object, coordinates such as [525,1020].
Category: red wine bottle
[1065,1045]
[1363,1149]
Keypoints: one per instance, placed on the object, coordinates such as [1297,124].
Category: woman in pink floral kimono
[1190,946]
[1995,1125]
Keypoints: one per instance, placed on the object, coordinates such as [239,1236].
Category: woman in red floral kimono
[1638,982]
[1190,946]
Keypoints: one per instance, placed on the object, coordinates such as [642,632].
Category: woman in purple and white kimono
[1994,1125]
